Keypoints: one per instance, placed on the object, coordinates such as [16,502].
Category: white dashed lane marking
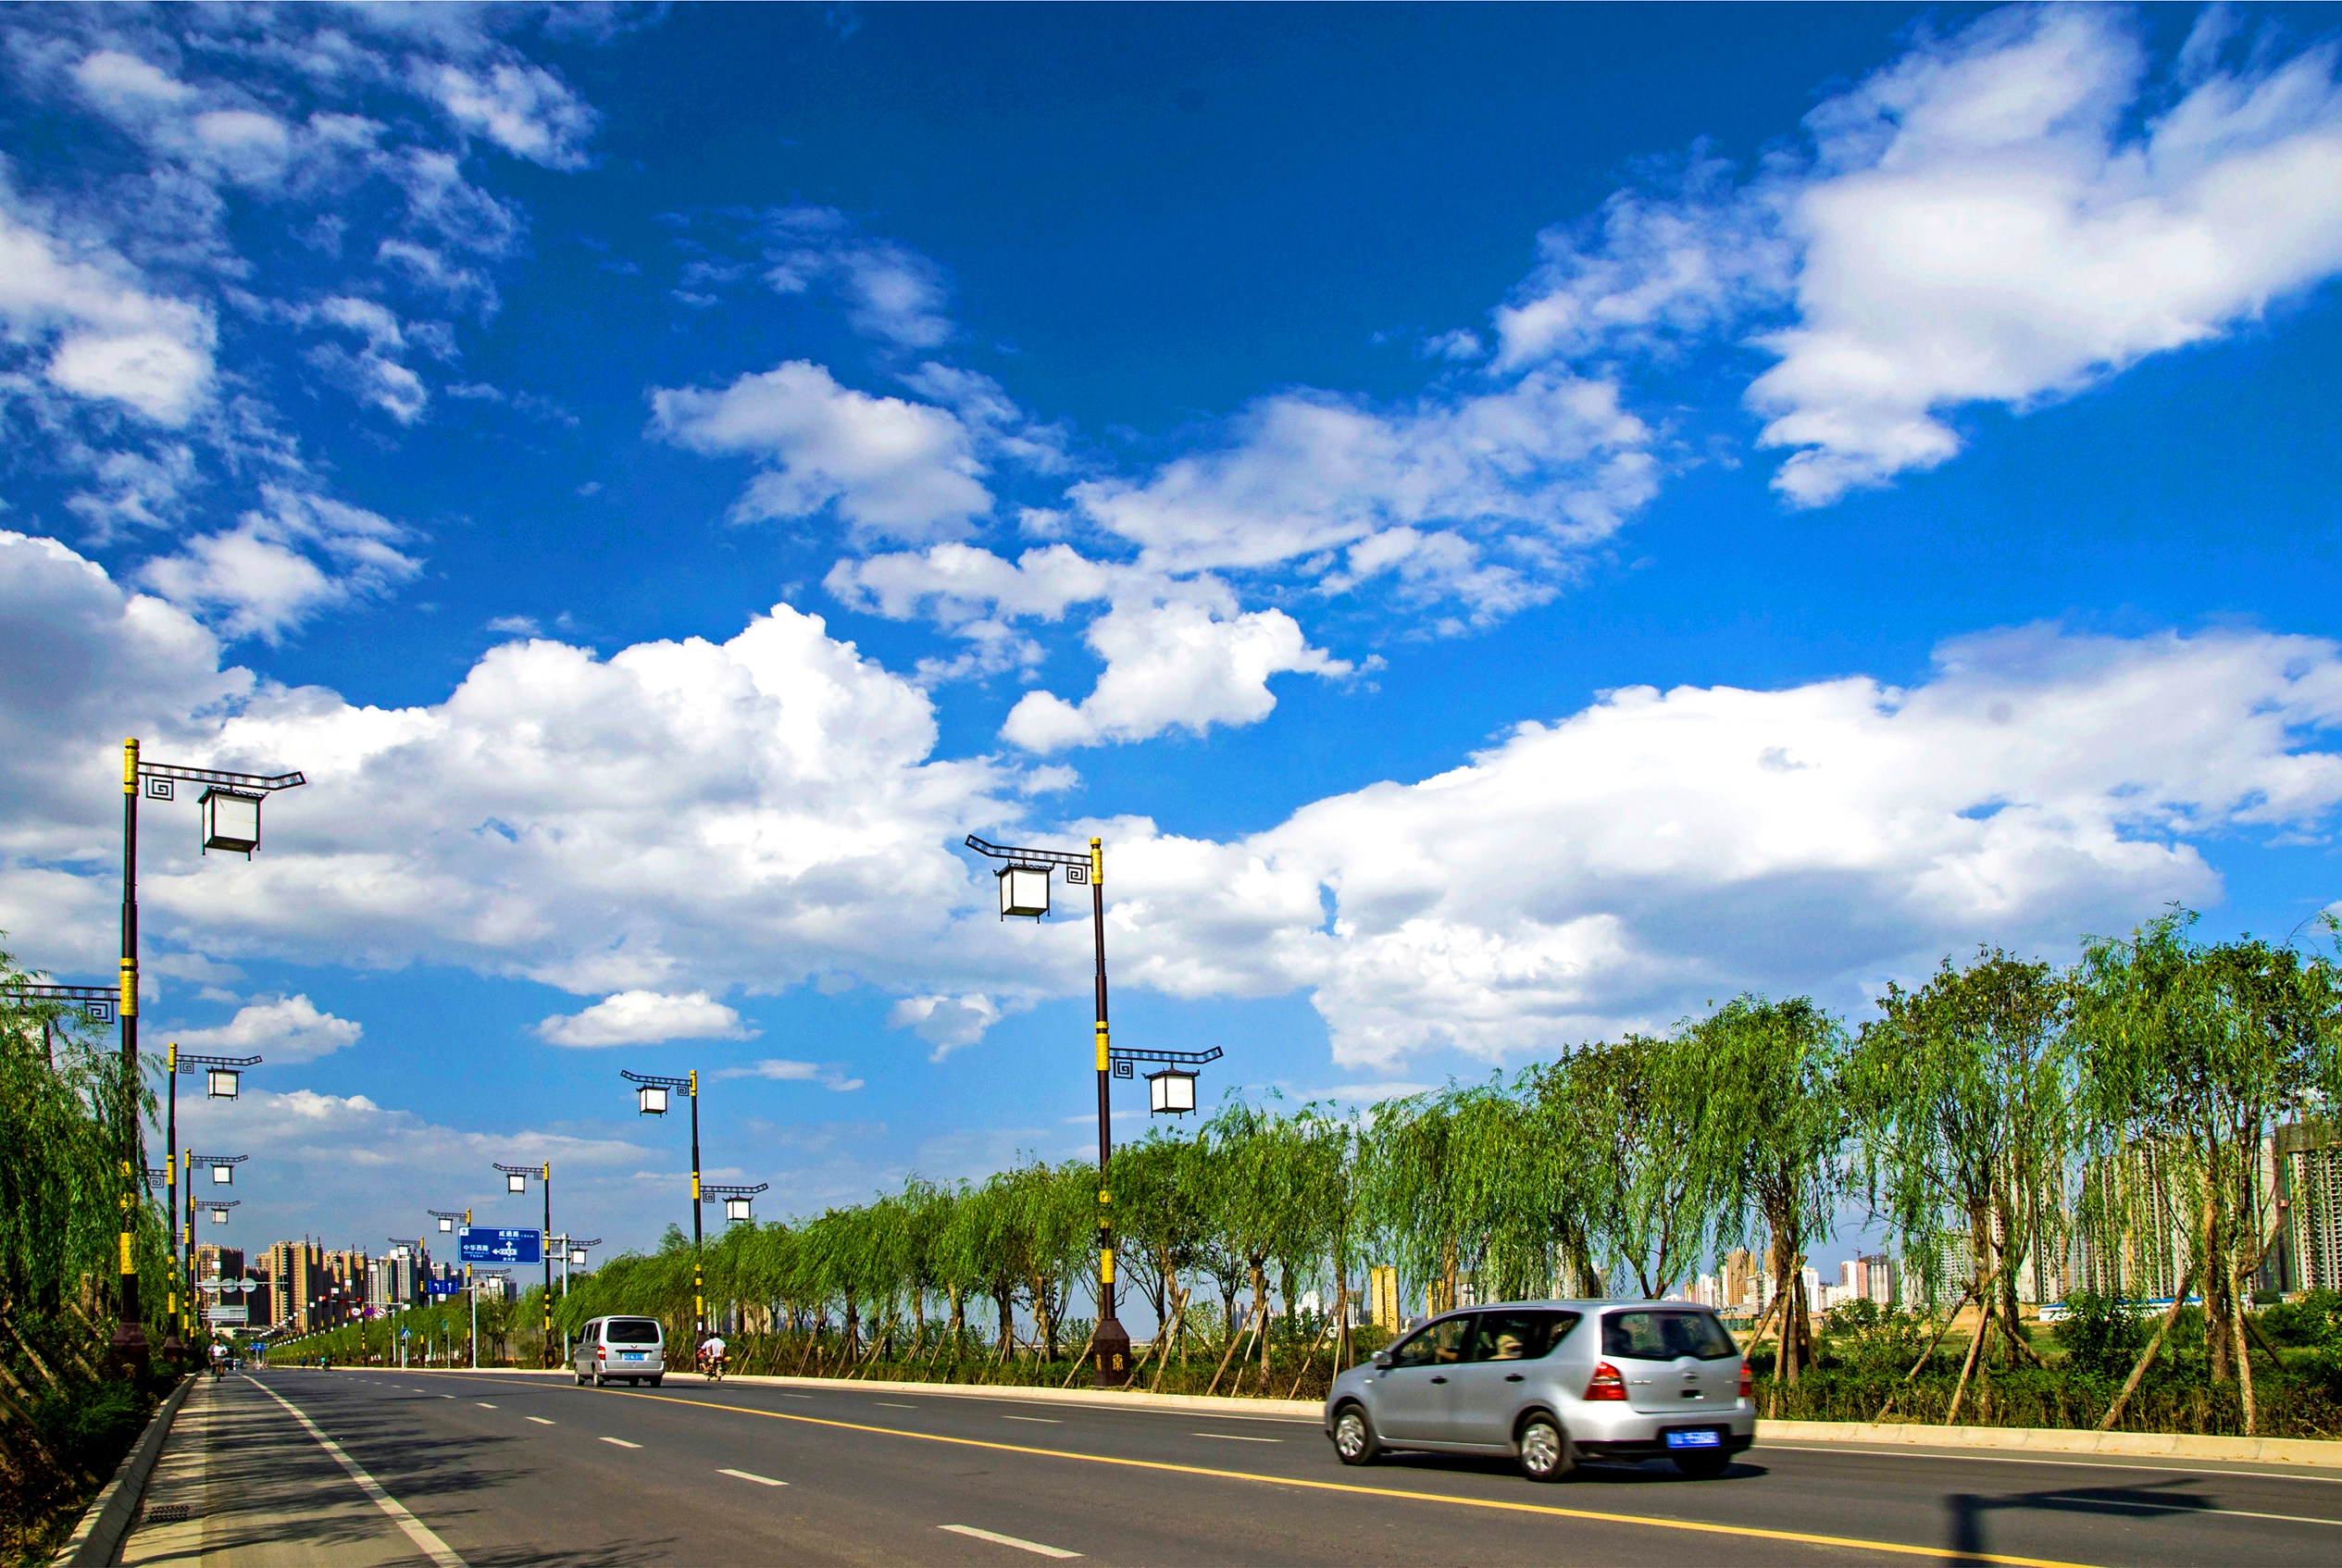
[1033,1547]
[622,1442]
[747,1475]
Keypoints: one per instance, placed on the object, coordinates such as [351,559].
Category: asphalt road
[529,1470]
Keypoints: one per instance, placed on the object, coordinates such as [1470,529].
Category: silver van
[1549,1383]
[612,1348]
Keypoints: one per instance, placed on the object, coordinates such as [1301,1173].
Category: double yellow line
[1746,1532]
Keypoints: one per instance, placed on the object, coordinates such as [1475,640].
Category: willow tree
[1413,1201]
[61,1111]
[1253,1193]
[1777,1117]
[1655,1177]
[2198,1052]
[1161,1211]
[1056,1209]
[1963,1094]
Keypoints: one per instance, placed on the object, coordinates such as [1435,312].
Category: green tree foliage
[64,1416]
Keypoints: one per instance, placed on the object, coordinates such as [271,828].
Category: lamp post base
[1110,1354]
[127,1350]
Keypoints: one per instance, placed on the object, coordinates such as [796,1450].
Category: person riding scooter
[711,1357]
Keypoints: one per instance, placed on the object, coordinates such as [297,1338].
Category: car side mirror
[1382,1361]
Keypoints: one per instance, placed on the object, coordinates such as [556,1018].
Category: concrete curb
[111,1514]
[2153,1444]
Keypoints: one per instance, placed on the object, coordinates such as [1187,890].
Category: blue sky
[1511,522]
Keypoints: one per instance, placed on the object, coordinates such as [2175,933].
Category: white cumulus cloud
[779,1070]
[2007,215]
[1176,664]
[892,467]
[282,1030]
[644,1017]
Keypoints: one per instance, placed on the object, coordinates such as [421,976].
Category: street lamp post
[573,1251]
[447,1218]
[231,803]
[222,1075]
[223,1173]
[650,1098]
[517,1180]
[400,1253]
[1024,892]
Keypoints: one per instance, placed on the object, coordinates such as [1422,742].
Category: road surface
[484,1469]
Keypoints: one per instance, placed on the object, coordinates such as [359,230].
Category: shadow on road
[1968,1514]
[1602,1471]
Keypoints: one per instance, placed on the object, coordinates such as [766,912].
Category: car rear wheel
[1704,1466]
[654,1382]
[1546,1455]
[581,1377]
[1355,1441]
[600,1381]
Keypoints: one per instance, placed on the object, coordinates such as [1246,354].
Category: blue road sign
[442,1287]
[482,1244]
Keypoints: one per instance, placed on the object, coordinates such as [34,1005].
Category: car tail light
[602,1353]
[1748,1382]
[1607,1384]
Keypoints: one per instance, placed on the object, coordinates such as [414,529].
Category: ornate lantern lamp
[1170,1092]
[1024,890]
[232,821]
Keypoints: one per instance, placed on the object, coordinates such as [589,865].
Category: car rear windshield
[1666,1335]
[632,1331]
[1519,1335]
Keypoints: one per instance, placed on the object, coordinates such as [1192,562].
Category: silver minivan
[613,1348]
[1549,1383]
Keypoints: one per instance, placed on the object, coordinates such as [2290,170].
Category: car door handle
[1438,1380]
[1512,1377]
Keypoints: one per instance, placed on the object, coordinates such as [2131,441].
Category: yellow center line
[1746,1532]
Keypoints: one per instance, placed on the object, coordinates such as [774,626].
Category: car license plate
[1705,1437]
[630,1355]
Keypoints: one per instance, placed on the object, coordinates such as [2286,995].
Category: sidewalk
[241,1485]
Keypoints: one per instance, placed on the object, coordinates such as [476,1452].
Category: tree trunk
[1178,1326]
[2147,1357]
[1234,1339]
[2244,1364]
[1975,1350]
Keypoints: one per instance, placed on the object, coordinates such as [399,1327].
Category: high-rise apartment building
[297,1284]
[2307,1157]
[219,1263]
[1739,1278]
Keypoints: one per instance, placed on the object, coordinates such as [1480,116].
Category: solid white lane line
[1233,1438]
[2182,1512]
[1042,1420]
[622,1442]
[1033,1547]
[750,1476]
[417,1531]
[538,1419]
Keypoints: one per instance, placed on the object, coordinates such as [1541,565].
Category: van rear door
[1677,1361]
